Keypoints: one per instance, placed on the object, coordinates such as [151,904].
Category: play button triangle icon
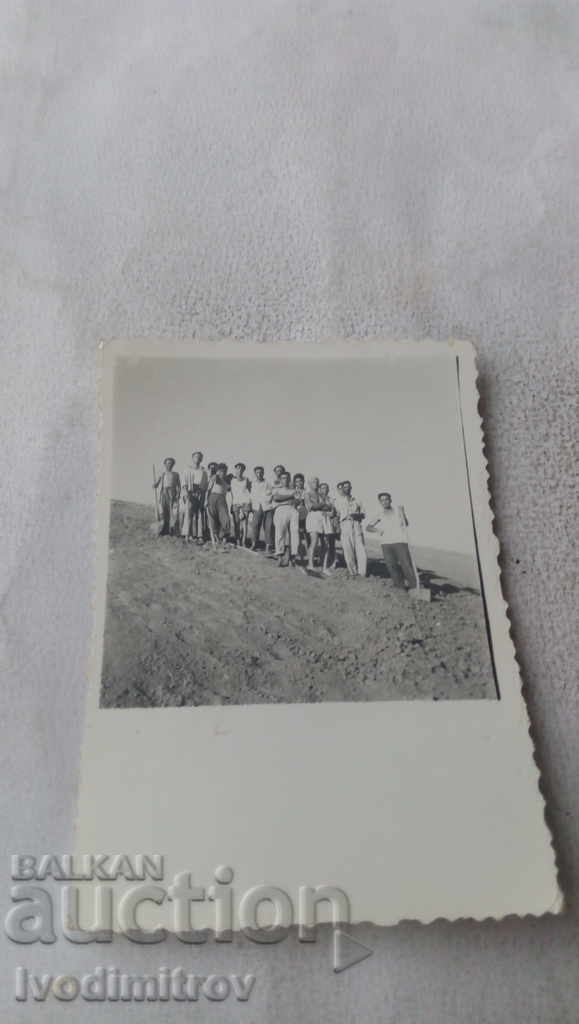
[348,951]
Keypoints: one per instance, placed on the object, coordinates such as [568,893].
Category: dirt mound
[186,625]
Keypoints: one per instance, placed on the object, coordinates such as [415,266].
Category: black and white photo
[291,530]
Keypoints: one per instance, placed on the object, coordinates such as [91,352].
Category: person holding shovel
[391,525]
[194,485]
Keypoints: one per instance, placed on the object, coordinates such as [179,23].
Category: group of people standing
[301,522]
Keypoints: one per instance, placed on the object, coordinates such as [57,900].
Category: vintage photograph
[298,607]
[291,530]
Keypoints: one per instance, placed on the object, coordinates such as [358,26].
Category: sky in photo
[388,423]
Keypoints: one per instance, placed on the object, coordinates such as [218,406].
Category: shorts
[241,511]
[315,522]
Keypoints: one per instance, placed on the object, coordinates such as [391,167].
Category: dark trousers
[218,515]
[169,513]
[399,565]
[265,519]
[195,517]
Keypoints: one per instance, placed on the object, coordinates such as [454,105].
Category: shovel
[419,593]
[156,525]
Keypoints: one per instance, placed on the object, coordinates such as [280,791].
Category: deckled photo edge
[508,668]
[504,648]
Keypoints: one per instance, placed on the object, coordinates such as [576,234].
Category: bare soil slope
[186,625]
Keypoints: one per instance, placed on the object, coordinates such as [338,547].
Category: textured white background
[291,170]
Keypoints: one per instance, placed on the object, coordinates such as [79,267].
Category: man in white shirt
[194,488]
[391,525]
[240,503]
[262,509]
[286,521]
[351,514]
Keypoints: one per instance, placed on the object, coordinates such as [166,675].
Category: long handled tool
[422,593]
[157,516]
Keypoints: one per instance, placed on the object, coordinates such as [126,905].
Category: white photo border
[417,809]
